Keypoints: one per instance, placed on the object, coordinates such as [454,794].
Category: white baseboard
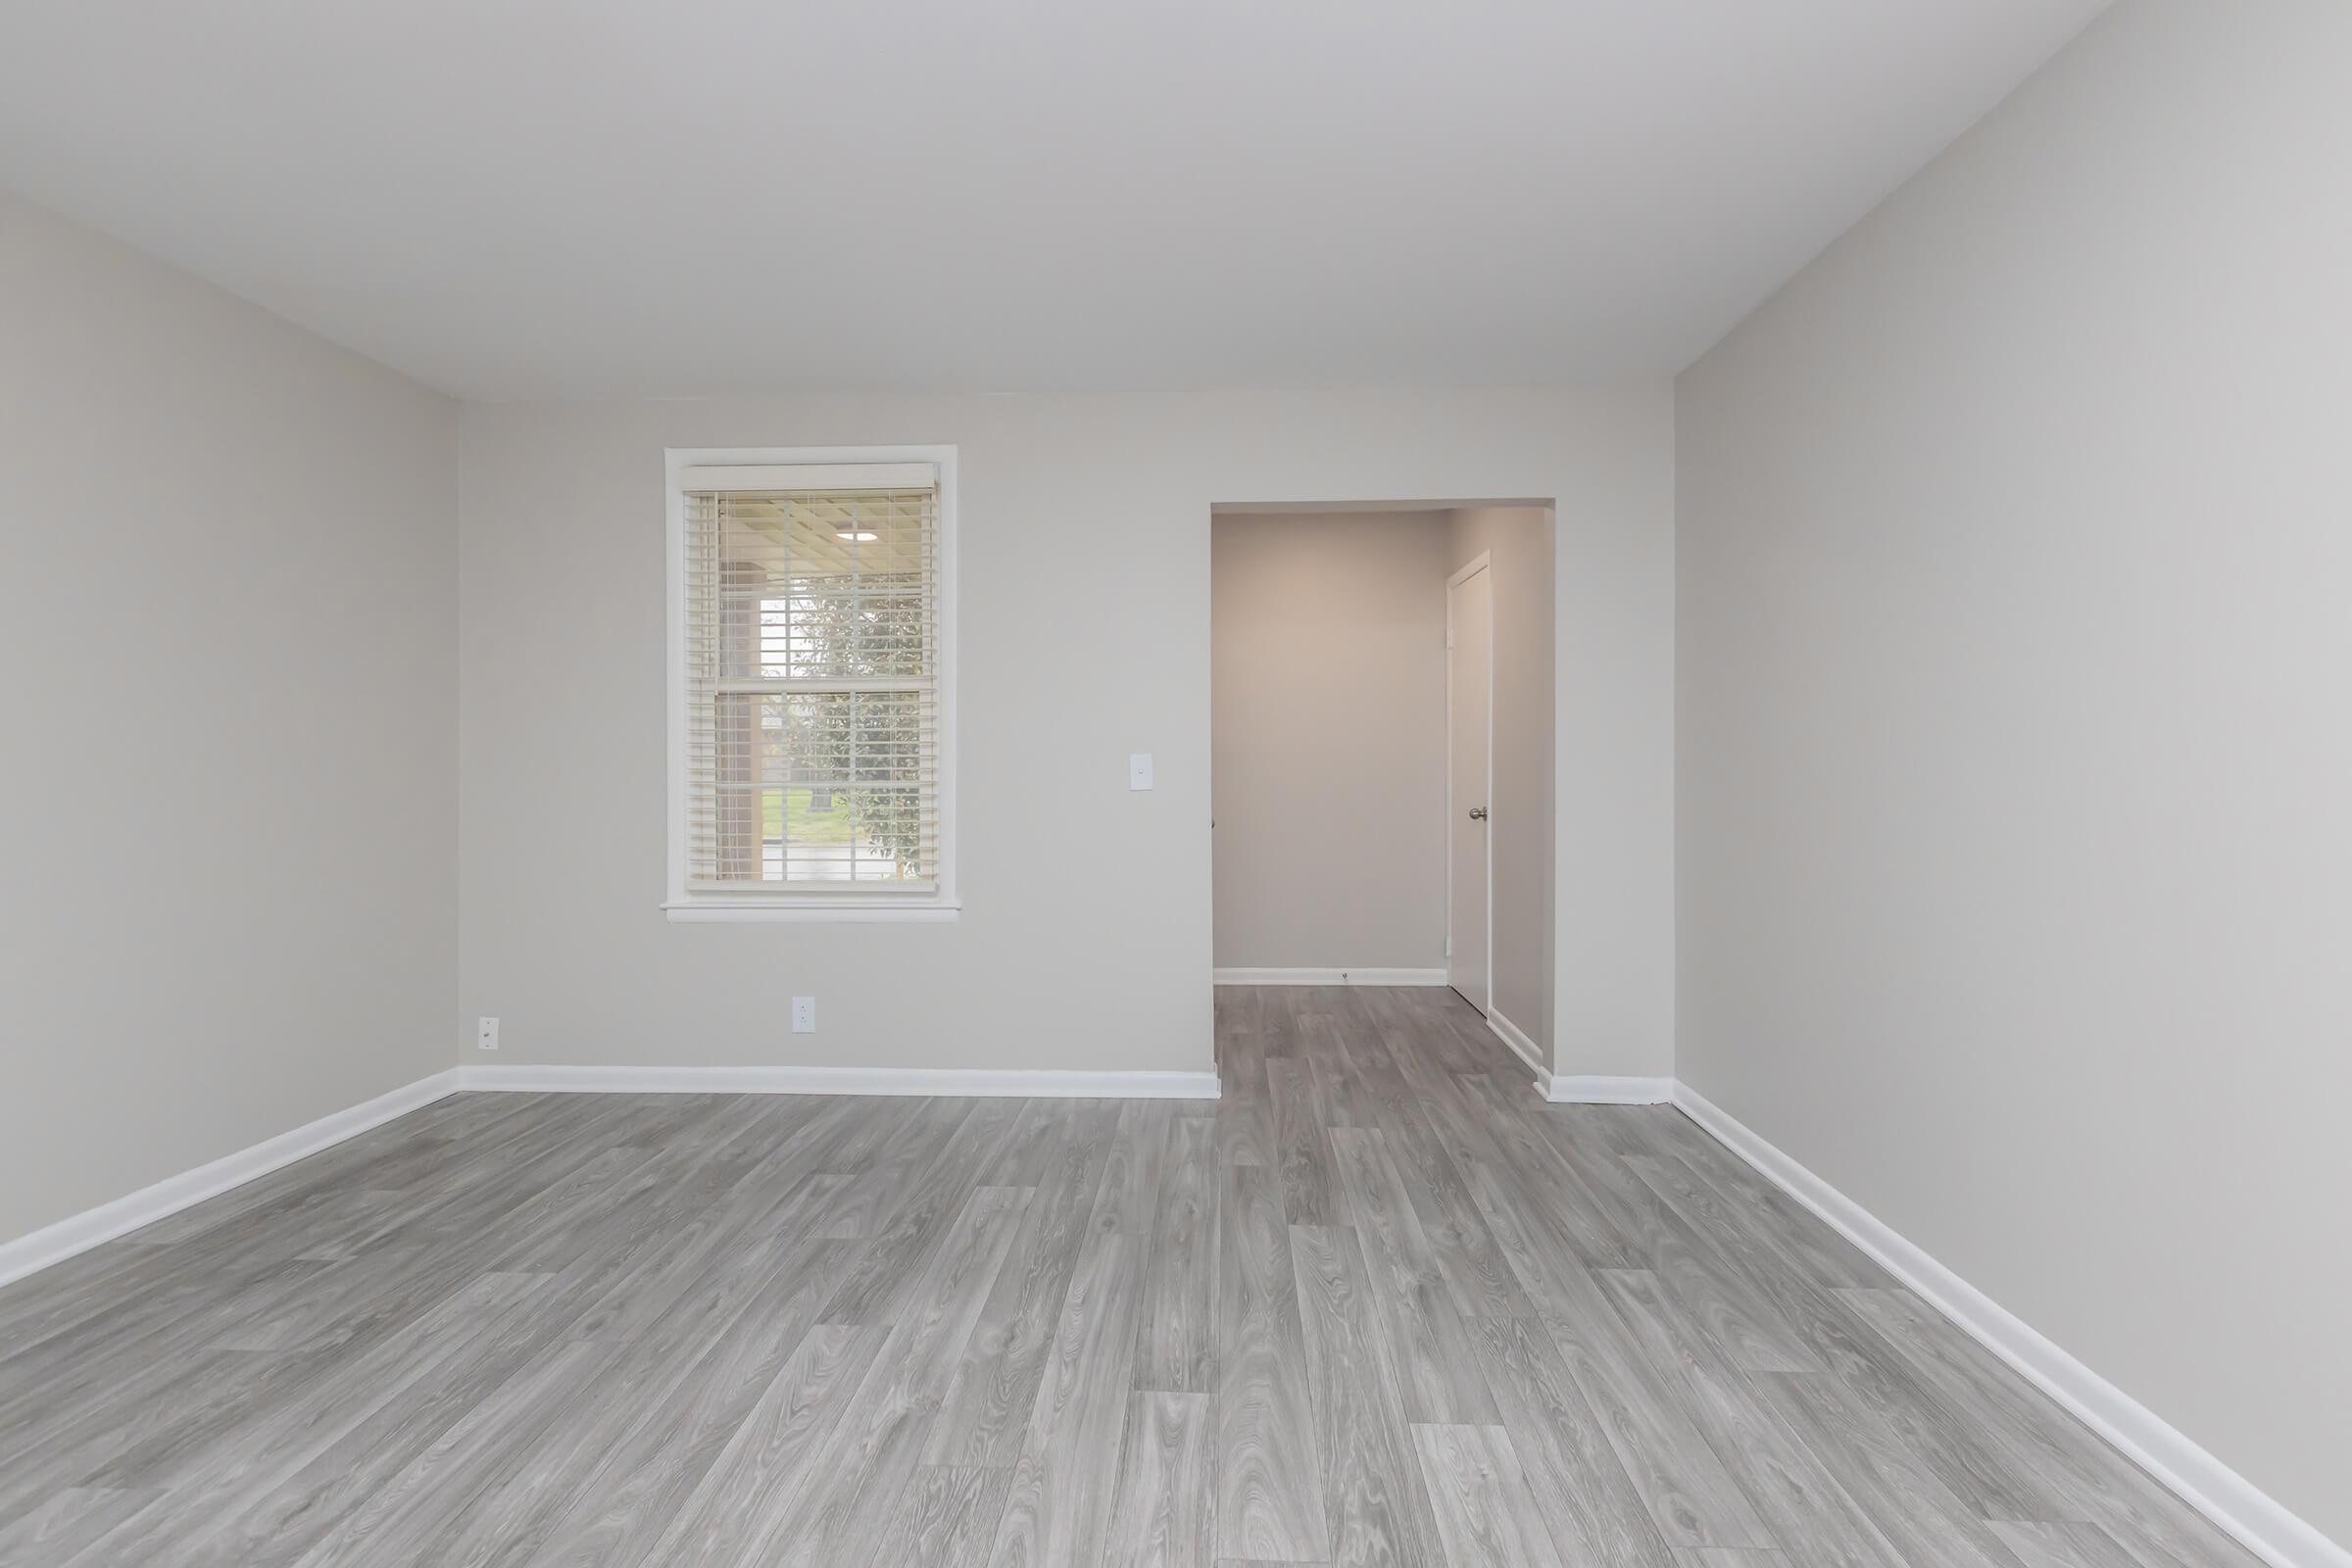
[1511,1035]
[78,1233]
[782,1080]
[1331,977]
[2264,1525]
[1585,1089]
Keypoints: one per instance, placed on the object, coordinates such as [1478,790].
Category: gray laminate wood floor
[1379,1304]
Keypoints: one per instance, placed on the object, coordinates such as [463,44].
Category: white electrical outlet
[1139,770]
[804,1015]
[485,1034]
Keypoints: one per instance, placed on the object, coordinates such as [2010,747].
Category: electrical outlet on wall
[485,1034]
[804,1015]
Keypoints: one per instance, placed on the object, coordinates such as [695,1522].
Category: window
[810,609]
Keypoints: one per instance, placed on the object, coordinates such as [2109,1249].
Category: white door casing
[1469,769]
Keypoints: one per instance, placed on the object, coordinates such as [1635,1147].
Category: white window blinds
[813,661]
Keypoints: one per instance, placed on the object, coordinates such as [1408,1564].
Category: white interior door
[1469,721]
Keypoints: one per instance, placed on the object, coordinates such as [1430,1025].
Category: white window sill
[715,912]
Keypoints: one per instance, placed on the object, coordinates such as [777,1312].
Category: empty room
[1084,786]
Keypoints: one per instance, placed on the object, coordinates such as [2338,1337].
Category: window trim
[684,905]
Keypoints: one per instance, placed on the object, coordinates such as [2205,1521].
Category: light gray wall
[1329,738]
[1084,635]
[1517,541]
[228,659]
[2016,721]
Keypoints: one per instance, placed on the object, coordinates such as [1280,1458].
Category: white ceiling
[598,198]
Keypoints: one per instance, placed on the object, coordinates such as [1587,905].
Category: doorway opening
[1381,771]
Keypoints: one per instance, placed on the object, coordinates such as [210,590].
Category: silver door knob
[1478,813]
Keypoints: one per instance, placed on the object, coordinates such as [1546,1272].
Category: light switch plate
[1139,770]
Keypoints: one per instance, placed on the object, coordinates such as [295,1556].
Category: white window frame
[809,904]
